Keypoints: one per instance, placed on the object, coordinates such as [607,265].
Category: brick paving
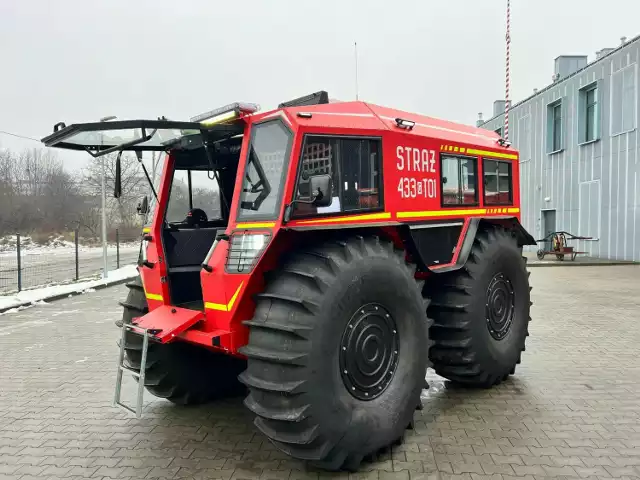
[571,411]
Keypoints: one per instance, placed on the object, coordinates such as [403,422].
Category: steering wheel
[196,216]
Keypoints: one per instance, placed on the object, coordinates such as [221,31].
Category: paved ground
[572,410]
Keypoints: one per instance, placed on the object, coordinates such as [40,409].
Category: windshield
[266,166]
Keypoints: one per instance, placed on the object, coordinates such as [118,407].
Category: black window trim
[475,175]
[341,213]
[510,178]
[285,168]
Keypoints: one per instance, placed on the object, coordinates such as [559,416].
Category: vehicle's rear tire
[481,312]
[325,381]
[182,373]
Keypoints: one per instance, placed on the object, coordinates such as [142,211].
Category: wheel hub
[369,351]
[500,308]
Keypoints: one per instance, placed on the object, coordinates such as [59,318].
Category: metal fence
[28,266]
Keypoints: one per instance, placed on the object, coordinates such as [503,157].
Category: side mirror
[321,190]
[143,206]
[117,188]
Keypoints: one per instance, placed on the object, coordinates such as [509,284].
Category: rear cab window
[498,182]
[459,180]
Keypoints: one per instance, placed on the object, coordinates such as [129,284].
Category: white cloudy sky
[79,60]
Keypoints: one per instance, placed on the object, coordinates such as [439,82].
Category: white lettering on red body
[416,161]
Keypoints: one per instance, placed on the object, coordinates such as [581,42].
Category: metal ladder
[146,333]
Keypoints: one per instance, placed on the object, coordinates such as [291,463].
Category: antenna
[355,46]
[507,79]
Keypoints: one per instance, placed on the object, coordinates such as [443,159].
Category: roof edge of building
[577,72]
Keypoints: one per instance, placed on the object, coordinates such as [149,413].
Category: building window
[497,182]
[354,165]
[555,124]
[588,113]
[623,100]
[592,104]
[458,177]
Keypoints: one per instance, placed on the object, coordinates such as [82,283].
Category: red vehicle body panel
[409,157]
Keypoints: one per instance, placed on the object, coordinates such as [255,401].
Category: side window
[459,180]
[193,189]
[354,165]
[498,189]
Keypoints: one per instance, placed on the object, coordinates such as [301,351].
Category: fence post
[19,262]
[117,248]
[75,238]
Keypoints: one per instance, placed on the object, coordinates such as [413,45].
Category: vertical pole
[355,45]
[117,248]
[104,222]
[19,262]
[507,77]
[77,257]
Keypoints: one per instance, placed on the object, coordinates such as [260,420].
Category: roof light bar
[317,98]
[228,112]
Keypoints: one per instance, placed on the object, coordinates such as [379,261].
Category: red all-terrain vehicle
[323,256]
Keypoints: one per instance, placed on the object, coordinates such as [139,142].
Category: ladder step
[140,375]
[133,372]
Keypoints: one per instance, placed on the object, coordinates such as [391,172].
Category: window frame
[285,168]
[583,109]
[459,157]
[551,123]
[509,177]
[381,195]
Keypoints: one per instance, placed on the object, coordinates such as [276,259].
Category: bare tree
[37,193]
[121,211]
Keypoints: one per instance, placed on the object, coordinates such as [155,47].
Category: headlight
[244,252]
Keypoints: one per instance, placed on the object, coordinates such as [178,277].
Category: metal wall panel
[593,187]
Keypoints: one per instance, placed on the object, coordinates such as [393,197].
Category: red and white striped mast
[506,97]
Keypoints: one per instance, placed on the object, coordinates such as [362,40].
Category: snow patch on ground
[30,298]
[8,245]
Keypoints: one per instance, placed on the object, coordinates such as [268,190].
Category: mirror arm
[146,173]
[212,164]
[289,206]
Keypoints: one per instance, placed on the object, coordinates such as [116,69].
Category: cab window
[498,189]
[459,180]
[193,189]
[354,165]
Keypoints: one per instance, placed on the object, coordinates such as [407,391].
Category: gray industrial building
[580,152]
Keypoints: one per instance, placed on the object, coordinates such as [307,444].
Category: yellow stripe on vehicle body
[146,230]
[221,307]
[441,213]
[486,153]
[369,216]
[154,296]
[256,225]
[461,212]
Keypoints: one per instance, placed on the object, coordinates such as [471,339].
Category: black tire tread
[279,405]
[452,355]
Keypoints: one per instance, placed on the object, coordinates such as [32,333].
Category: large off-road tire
[338,352]
[182,373]
[481,312]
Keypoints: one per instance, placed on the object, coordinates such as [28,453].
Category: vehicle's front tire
[338,352]
[182,373]
[481,312]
